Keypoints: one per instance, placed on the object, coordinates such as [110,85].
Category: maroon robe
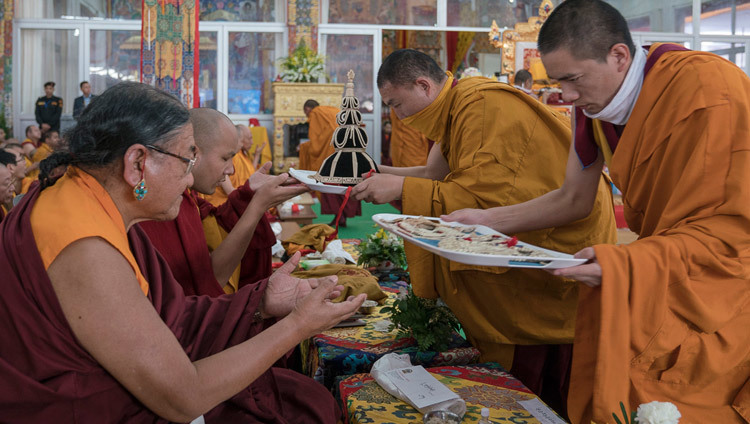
[47,376]
[182,242]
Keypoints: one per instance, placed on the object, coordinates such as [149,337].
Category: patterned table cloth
[351,350]
[485,385]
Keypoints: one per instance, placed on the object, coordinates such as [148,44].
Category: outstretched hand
[316,313]
[275,190]
[262,176]
[379,188]
[589,273]
[285,291]
[467,216]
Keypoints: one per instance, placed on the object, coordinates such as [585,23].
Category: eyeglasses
[190,162]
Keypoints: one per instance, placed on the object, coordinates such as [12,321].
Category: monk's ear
[133,163]
[620,55]
[425,84]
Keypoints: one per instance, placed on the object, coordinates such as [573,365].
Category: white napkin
[336,254]
[393,361]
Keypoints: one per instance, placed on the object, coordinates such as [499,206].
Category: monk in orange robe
[49,142]
[408,146]
[495,145]
[322,121]
[666,317]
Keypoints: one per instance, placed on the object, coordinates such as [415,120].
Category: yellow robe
[503,147]
[408,146]
[322,125]
[243,169]
[671,321]
[40,154]
[260,136]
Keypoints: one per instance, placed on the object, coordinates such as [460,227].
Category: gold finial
[494,35]
[349,91]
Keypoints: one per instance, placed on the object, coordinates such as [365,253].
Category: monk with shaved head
[214,250]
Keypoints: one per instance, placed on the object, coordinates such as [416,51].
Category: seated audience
[48,143]
[94,326]
[31,142]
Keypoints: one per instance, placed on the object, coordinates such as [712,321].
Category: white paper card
[541,411]
[419,386]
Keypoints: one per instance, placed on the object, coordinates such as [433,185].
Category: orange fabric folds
[671,321]
[87,211]
[322,125]
[408,146]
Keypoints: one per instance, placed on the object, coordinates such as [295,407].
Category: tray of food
[305,177]
[472,244]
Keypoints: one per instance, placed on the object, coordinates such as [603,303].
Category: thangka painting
[169,48]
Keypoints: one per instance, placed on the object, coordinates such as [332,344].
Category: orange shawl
[322,125]
[77,207]
[408,146]
[671,320]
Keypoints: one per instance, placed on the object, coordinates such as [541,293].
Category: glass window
[115,57]
[481,13]
[734,52]
[345,52]
[252,68]
[725,17]
[243,10]
[47,9]
[207,79]
[384,12]
[661,16]
[48,55]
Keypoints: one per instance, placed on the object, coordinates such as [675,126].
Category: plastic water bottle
[485,419]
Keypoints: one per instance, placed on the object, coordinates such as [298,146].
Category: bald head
[586,28]
[207,124]
[246,137]
[217,140]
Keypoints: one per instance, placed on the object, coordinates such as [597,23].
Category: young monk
[94,327]
[205,245]
[666,317]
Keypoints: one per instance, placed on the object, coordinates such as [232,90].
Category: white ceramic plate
[305,177]
[552,259]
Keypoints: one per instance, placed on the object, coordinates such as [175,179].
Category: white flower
[658,413]
[402,293]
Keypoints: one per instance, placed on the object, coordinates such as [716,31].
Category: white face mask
[619,109]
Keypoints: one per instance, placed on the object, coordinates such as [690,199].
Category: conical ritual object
[350,160]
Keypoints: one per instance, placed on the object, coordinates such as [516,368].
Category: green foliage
[430,324]
[625,419]
[382,246]
[304,65]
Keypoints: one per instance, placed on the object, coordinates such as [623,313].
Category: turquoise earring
[140,190]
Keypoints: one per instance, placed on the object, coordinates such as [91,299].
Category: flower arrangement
[381,247]
[428,321]
[650,413]
[303,65]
